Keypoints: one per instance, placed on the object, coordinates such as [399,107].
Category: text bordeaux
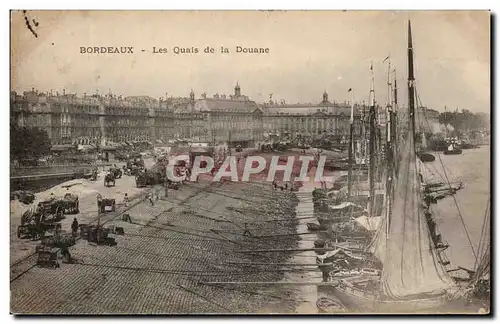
[107,50]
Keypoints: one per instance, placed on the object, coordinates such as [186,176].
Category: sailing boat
[358,192]
[453,149]
[412,277]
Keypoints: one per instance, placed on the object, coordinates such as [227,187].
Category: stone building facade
[310,119]
[233,119]
[220,119]
[93,119]
[108,119]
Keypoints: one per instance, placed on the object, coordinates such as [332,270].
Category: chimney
[32,89]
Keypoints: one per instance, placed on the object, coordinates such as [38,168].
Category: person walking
[150,198]
[57,233]
[74,227]
[126,200]
[166,187]
[126,218]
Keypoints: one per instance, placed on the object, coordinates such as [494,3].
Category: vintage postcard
[250,162]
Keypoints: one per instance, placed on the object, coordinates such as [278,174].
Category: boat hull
[316,227]
[426,157]
[330,305]
[364,301]
[453,152]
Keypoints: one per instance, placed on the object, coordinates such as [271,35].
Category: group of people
[285,186]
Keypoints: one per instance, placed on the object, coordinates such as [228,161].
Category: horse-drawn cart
[116,172]
[54,250]
[107,205]
[49,256]
[35,221]
[132,170]
[26,197]
[109,180]
[71,204]
[149,178]
[99,235]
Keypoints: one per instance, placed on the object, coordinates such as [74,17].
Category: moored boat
[468,146]
[426,157]
[362,293]
[316,227]
[413,277]
[330,305]
[454,151]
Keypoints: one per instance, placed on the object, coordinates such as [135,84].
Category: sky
[309,52]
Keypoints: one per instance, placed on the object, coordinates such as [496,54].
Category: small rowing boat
[330,305]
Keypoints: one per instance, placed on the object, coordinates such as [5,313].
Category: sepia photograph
[250,162]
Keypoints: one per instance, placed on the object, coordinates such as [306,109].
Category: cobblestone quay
[161,263]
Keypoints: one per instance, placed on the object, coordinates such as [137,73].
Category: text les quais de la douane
[174,50]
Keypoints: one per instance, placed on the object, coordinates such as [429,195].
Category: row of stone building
[107,119]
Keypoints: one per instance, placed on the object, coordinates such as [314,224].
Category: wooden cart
[49,256]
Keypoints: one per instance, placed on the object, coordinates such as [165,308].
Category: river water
[472,168]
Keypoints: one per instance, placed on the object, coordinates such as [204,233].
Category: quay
[47,176]
[53,169]
[167,253]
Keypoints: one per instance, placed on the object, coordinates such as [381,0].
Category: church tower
[325,96]
[191,96]
[237,90]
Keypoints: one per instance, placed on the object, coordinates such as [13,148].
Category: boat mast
[388,149]
[365,133]
[394,123]
[372,121]
[351,143]
[411,84]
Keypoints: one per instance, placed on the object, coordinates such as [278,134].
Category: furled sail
[411,267]
[378,243]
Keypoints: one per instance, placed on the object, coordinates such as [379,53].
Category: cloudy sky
[309,52]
